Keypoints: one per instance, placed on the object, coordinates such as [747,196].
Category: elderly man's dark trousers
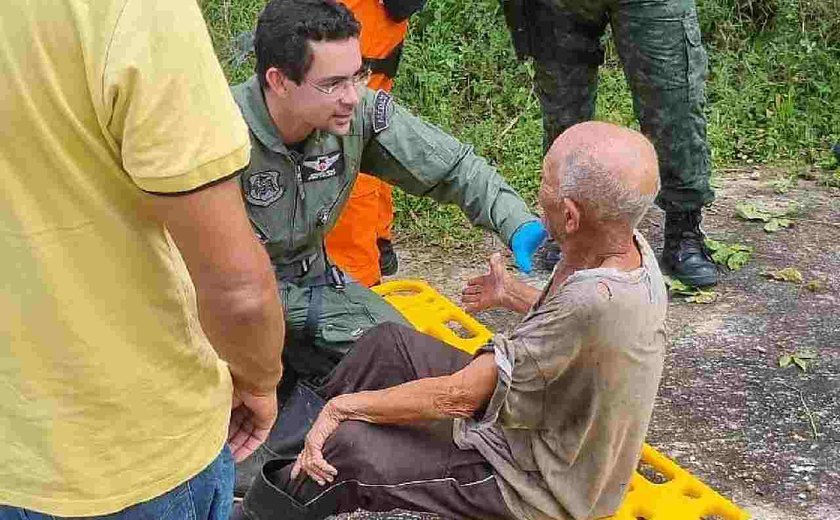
[380,468]
[665,65]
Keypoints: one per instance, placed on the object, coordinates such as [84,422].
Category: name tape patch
[381,103]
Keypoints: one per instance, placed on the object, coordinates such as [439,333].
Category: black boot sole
[698,281]
[707,280]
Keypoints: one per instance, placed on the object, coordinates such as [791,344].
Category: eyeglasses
[357,81]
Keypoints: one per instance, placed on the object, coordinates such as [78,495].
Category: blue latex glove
[525,241]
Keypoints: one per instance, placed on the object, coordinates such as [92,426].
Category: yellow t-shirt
[109,392]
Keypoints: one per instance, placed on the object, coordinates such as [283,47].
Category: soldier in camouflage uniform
[665,65]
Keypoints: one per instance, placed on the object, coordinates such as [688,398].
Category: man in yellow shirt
[118,142]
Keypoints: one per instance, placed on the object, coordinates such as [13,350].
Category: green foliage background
[773,88]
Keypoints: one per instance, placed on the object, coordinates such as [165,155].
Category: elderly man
[546,423]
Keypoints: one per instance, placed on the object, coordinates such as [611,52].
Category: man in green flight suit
[313,126]
[665,65]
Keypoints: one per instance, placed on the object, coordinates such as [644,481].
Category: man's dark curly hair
[286,27]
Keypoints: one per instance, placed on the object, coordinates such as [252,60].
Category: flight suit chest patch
[322,167]
[381,102]
[263,188]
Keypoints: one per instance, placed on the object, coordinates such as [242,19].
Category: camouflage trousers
[664,63]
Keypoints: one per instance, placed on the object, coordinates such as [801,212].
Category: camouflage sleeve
[423,160]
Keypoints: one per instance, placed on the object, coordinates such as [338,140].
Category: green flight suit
[294,196]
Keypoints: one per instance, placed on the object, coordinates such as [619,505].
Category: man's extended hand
[251,419]
[488,290]
[311,459]
[525,242]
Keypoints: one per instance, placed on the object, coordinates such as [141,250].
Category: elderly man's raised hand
[489,290]
[251,418]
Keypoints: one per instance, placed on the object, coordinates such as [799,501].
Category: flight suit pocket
[696,57]
[345,317]
[342,332]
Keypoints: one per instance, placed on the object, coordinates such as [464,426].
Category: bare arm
[237,295]
[459,395]
[519,296]
[237,301]
[498,288]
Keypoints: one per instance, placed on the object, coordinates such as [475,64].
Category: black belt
[387,65]
[293,272]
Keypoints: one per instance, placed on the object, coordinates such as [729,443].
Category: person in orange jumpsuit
[360,242]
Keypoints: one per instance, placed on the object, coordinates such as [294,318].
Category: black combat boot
[684,255]
[388,262]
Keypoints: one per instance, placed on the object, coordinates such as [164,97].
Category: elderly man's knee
[385,336]
[354,451]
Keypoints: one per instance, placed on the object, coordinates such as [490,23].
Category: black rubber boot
[684,255]
[265,500]
[388,262]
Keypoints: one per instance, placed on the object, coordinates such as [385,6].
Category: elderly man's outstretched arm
[498,288]
[461,394]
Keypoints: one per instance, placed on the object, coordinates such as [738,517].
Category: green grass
[774,87]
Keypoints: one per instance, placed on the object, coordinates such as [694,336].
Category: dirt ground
[765,436]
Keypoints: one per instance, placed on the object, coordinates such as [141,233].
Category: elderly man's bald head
[610,171]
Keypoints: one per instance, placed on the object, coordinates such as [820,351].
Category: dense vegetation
[773,89]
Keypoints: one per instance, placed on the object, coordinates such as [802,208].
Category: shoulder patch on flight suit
[380,111]
[263,188]
[322,166]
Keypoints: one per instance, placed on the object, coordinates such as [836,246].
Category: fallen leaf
[713,245]
[703,297]
[784,222]
[748,211]
[738,259]
[785,360]
[720,256]
[816,285]
[777,223]
[801,363]
[733,256]
[692,294]
[677,286]
[772,226]
[788,274]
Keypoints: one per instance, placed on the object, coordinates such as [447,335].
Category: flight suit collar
[249,96]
